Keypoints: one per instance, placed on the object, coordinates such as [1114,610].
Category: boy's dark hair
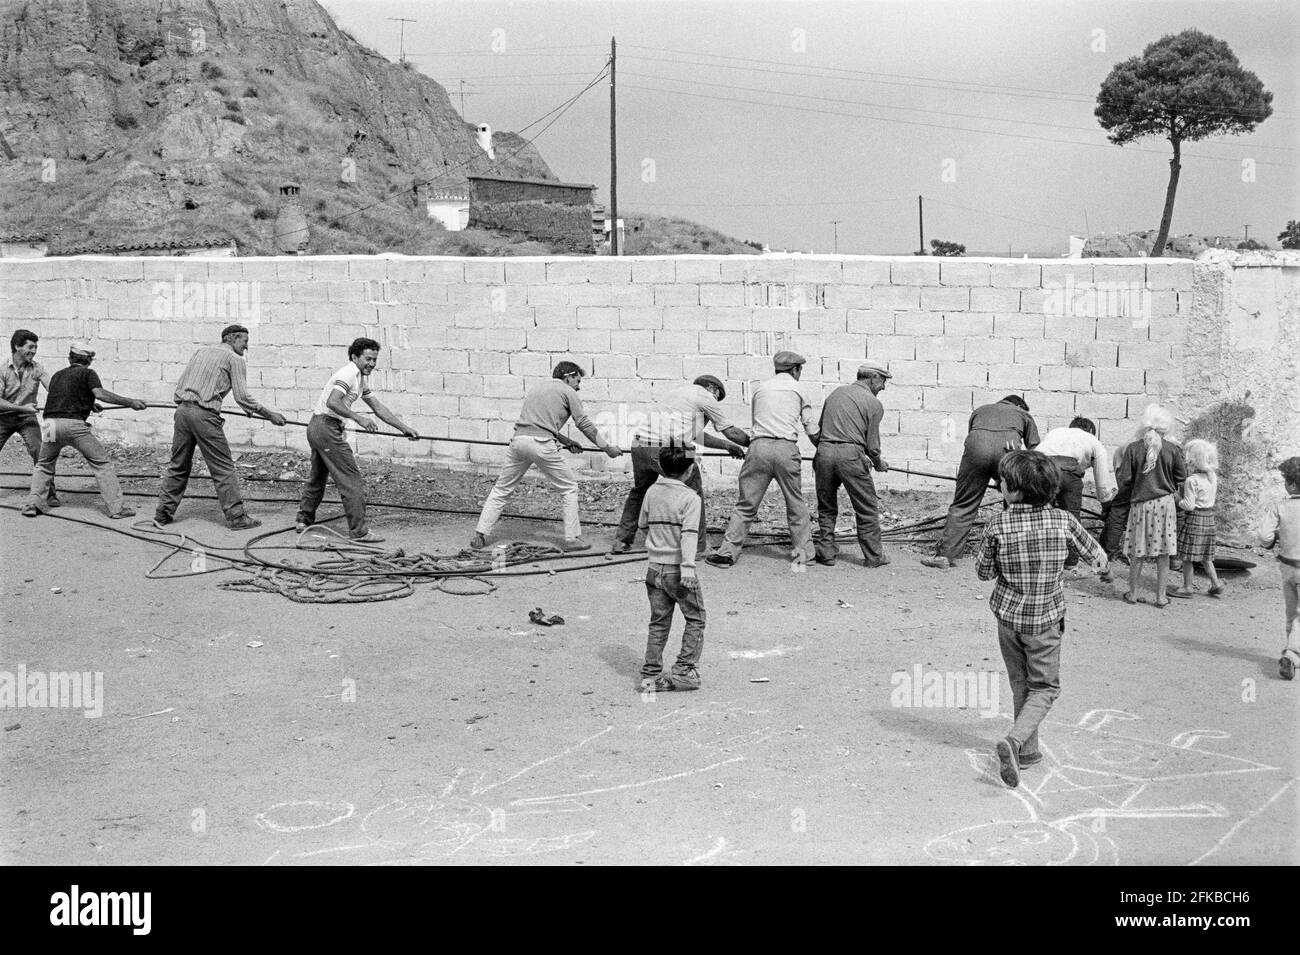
[360,345]
[674,461]
[1033,474]
[566,368]
[1290,469]
[1083,424]
[20,338]
[1017,401]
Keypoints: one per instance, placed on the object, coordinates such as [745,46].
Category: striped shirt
[781,409]
[213,373]
[1025,548]
[547,408]
[670,517]
[19,387]
[348,380]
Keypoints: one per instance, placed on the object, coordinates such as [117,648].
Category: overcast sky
[769,120]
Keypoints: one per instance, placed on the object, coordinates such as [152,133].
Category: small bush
[211,71]
[303,148]
[251,93]
[262,212]
[233,106]
[235,118]
[123,121]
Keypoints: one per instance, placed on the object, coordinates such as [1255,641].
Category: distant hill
[666,235]
[181,118]
[1135,244]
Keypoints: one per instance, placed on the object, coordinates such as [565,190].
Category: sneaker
[369,537]
[161,520]
[876,563]
[943,563]
[720,560]
[577,545]
[1009,762]
[124,512]
[242,523]
[1029,760]
[477,542]
[53,501]
[826,561]
[1285,664]
[31,510]
[301,527]
[621,547]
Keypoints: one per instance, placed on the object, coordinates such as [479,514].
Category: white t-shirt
[348,380]
[680,417]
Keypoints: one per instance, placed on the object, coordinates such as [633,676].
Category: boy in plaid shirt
[670,516]
[1025,548]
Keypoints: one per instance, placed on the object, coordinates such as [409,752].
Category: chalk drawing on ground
[536,809]
[1093,778]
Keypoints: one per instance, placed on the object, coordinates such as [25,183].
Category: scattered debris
[169,709]
[56,590]
[255,644]
[760,679]
[539,616]
[844,605]
[13,726]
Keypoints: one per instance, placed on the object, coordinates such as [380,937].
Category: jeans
[836,464]
[74,432]
[196,426]
[332,458]
[1033,663]
[525,452]
[29,429]
[770,459]
[1069,497]
[645,471]
[664,587]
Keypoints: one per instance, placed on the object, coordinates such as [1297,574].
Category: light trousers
[523,453]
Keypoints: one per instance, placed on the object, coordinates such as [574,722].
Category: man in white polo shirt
[781,410]
[678,421]
[331,457]
[1075,449]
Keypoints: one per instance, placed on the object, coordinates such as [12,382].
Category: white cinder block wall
[463,339]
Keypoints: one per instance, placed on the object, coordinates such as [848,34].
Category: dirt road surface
[245,728]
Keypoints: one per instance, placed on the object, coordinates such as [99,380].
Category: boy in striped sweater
[670,517]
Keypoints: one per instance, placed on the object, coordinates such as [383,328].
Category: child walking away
[1025,547]
[1152,470]
[1197,534]
[1280,527]
[670,517]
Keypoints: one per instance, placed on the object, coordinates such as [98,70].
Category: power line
[963,129]
[922,82]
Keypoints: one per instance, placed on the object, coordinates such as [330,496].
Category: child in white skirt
[1196,537]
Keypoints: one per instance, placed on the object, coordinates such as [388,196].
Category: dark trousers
[1115,515]
[196,426]
[663,584]
[1069,497]
[979,465]
[332,458]
[29,430]
[645,471]
[837,464]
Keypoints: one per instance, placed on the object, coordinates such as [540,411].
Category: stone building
[557,212]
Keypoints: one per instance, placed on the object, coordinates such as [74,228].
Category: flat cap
[233,330]
[82,349]
[785,360]
[709,381]
[870,367]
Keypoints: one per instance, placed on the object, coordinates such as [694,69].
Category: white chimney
[485,139]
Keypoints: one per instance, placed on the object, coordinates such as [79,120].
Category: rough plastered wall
[464,338]
[1242,372]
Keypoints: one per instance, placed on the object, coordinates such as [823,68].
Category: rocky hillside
[153,118]
[1134,244]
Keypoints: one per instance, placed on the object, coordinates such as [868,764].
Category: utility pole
[920,221]
[1247,239]
[613,159]
[401,42]
[463,94]
[835,224]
